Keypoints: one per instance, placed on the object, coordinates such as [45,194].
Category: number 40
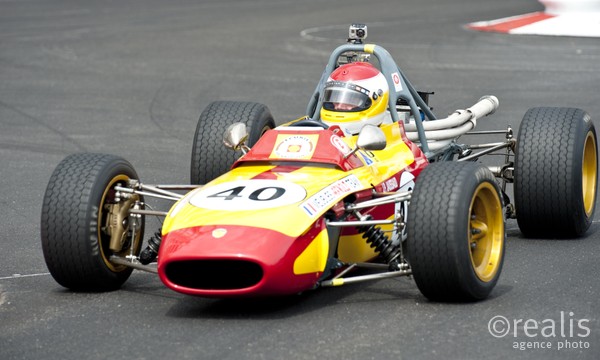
[263,194]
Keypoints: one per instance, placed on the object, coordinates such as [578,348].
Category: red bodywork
[246,261]
[243,260]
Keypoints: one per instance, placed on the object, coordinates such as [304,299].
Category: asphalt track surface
[130,78]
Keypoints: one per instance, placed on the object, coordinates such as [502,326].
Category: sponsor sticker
[294,146]
[330,195]
[340,144]
[366,158]
[390,184]
[397,81]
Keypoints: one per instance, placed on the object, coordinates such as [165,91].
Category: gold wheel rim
[486,232]
[103,237]
[589,173]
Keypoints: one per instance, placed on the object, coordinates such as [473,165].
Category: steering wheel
[310,123]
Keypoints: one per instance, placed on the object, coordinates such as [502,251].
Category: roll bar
[400,87]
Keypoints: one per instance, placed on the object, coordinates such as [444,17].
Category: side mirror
[370,138]
[235,137]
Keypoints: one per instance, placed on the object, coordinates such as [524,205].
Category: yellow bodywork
[314,258]
[321,185]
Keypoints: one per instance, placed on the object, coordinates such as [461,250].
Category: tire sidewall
[470,281]
[548,173]
[210,158]
[438,232]
[259,125]
[579,217]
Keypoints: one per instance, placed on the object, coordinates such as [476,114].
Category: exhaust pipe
[442,131]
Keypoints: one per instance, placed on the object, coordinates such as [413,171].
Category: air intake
[214,274]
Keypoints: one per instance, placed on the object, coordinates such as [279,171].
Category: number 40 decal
[248,195]
[272,193]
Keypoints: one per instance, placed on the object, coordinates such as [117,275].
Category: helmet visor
[346,99]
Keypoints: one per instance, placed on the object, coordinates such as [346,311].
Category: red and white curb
[561,18]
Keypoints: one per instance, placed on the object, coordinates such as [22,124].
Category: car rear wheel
[84,222]
[210,158]
[556,172]
[456,232]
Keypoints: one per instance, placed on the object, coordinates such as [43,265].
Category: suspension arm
[361,278]
[388,199]
[148,212]
[133,264]
[359,223]
[490,149]
[128,190]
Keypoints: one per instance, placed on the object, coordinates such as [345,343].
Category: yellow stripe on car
[314,258]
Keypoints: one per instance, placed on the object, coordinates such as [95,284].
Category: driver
[355,94]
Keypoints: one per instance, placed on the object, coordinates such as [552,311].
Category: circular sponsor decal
[295,147]
[248,195]
[397,83]
[340,144]
[219,233]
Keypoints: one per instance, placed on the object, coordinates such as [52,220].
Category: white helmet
[354,95]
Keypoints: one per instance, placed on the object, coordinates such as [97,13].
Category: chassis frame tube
[148,212]
[358,223]
[388,199]
[361,278]
[146,193]
[133,264]
[491,149]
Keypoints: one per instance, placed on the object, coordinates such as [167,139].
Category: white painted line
[583,25]
[549,23]
[17,276]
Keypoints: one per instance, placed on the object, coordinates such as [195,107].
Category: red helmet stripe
[354,72]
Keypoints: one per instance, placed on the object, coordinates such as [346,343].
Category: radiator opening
[214,274]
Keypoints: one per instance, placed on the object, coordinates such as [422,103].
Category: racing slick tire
[456,224]
[556,173]
[79,212]
[210,158]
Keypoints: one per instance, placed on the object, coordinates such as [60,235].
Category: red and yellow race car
[370,184]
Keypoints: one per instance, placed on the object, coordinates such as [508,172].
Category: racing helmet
[354,95]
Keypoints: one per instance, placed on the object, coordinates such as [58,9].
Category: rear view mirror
[370,138]
[235,137]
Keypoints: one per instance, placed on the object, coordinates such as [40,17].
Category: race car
[368,184]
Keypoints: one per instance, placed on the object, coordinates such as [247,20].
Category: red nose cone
[229,261]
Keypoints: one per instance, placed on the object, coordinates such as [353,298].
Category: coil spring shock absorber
[151,251]
[380,242]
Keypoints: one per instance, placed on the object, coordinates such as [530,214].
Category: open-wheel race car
[370,184]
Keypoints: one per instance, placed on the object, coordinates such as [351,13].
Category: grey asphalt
[131,77]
